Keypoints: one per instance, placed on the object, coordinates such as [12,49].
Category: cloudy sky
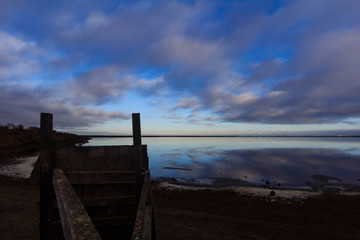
[189,67]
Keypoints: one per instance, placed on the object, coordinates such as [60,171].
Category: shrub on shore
[17,141]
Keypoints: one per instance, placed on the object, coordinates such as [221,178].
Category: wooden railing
[105,182]
[145,228]
[75,221]
[77,224]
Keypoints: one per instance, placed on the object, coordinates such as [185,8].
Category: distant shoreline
[221,136]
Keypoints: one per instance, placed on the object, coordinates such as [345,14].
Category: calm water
[288,161]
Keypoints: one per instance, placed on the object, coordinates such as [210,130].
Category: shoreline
[320,185]
[24,168]
[221,136]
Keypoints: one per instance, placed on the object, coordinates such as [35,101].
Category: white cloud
[18,58]
[12,44]
[96,20]
[243,98]
[186,103]
[99,85]
[275,93]
[144,83]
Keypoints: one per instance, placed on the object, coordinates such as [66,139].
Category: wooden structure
[100,192]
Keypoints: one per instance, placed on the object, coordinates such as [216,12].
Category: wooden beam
[114,221]
[109,201]
[46,159]
[136,129]
[46,128]
[74,219]
[137,153]
[145,226]
[101,177]
[106,222]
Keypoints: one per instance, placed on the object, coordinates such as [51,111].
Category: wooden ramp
[98,192]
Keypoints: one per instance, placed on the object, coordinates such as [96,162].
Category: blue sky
[189,67]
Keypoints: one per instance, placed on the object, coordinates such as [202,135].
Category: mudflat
[227,215]
[205,214]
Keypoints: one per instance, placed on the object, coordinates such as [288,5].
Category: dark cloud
[327,89]
[109,83]
[99,85]
[24,106]
[319,83]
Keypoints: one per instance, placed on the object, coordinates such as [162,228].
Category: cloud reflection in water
[287,166]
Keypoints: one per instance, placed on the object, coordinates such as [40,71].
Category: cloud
[184,103]
[109,83]
[172,116]
[316,83]
[24,105]
[150,87]
[17,57]
[291,62]
[99,85]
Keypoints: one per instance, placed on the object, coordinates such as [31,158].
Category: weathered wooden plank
[108,201]
[105,222]
[105,201]
[137,153]
[138,228]
[104,190]
[153,216]
[99,158]
[145,223]
[101,177]
[74,219]
[146,233]
[114,221]
[145,158]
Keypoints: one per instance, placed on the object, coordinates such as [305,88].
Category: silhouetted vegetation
[17,141]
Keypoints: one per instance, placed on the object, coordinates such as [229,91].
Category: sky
[188,67]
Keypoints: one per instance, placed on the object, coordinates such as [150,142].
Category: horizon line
[147,136]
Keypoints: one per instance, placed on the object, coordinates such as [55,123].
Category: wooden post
[137,154]
[136,129]
[46,175]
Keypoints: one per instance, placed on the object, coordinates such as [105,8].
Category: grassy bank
[17,141]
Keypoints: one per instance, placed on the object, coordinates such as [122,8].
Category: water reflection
[274,166]
[285,161]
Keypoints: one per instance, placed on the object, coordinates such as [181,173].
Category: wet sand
[205,214]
